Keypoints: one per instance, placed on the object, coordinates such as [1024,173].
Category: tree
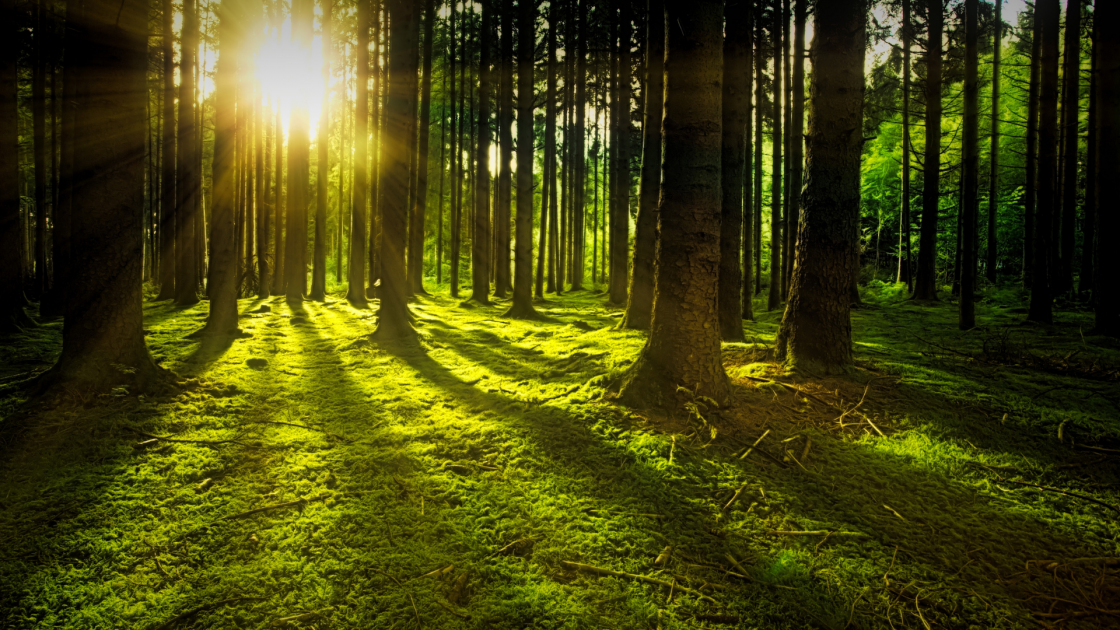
[736,92]
[925,281]
[480,235]
[167,173]
[1046,12]
[322,194]
[394,318]
[796,132]
[1087,278]
[620,217]
[505,140]
[299,164]
[905,271]
[683,348]
[746,294]
[12,300]
[523,244]
[993,179]
[39,71]
[103,335]
[1108,217]
[548,193]
[816,330]
[416,230]
[774,297]
[579,197]
[639,304]
[356,269]
[971,165]
[187,183]
[1031,184]
[1071,100]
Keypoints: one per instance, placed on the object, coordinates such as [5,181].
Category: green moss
[494,431]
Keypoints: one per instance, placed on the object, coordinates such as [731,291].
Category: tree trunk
[904,267]
[1087,279]
[394,318]
[1071,106]
[816,331]
[167,175]
[12,300]
[417,220]
[796,132]
[279,278]
[760,96]
[356,269]
[1047,14]
[789,223]
[579,197]
[522,306]
[457,153]
[187,181]
[1108,218]
[1031,192]
[971,165]
[639,305]
[480,235]
[774,297]
[620,219]
[747,291]
[299,166]
[322,179]
[103,334]
[683,349]
[375,193]
[993,179]
[925,282]
[736,94]
[505,173]
[39,72]
[549,199]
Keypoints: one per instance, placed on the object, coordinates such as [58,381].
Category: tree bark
[299,173]
[1071,107]
[620,219]
[925,282]
[505,172]
[971,165]
[747,291]
[279,278]
[356,269]
[1031,184]
[760,96]
[522,306]
[12,299]
[40,68]
[549,198]
[1087,279]
[480,235]
[1108,218]
[639,305]
[993,178]
[816,331]
[1047,13]
[774,297]
[167,174]
[905,271]
[796,132]
[579,197]
[322,179]
[736,94]
[187,182]
[683,348]
[416,229]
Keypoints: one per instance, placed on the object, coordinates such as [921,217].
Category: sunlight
[287,74]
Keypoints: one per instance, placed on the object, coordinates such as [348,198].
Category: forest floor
[483,479]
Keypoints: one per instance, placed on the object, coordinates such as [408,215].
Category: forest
[651,314]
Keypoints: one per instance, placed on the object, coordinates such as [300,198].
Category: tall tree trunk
[299,166]
[322,179]
[375,192]
[480,235]
[279,277]
[736,94]
[187,181]
[394,318]
[1047,13]
[549,199]
[816,331]
[796,134]
[457,154]
[789,222]
[1087,278]
[683,348]
[639,305]
[774,297]
[746,296]
[1107,296]
[505,174]
[925,282]
[620,219]
[104,325]
[167,175]
[264,252]
[993,179]
[579,197]
[356,268]
[904,267]
[416,230]
[522,306]
[1030,201]
[760,95]
[40,68]
[971,165]
[1070,115]
[12,300]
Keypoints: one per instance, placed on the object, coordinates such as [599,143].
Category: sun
[289,74]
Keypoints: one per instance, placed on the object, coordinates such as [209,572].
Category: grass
[320,481]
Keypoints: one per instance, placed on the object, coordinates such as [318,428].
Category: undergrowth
[484,478]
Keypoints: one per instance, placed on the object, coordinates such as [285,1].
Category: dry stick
[756,443]
[819,532]
[174,621]
[1068,494]
[734,498]
[301,426]
[452,611]
[415,612]
[794,388]
[274,507]
[587,568]
[860,403]
[181,441]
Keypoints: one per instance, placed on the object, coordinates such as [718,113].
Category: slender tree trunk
[620,219]
[104,316]
[167,175]
[375,193]
[579,197]
[747,291]
[925,282]
[416,230]
[683,348]
[299,173]
[187,181]
[356,269]
[1071,106]
[904,265]
[639,305]
[796,134]
[759,68]
[1030,201]
[789,223]
[457,153]
[549,200]
[505,173]
[322,179]
[279,279]
[1047,13]
[12,300]
[993,179]
[344,142]
[971,166]
[1087,278]
[40,68]
[774,298]
[522,306]
[816,331]
[1106,296]
[264,251]
[736,94]
[480,235]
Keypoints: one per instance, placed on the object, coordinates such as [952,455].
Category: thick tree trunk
[12,300]
[925,281]
[322,193]
[746,296]
[1047,13]
[796,133]
[774,297]
[104,327]
[816,331]
[993,179]
[416,228]
[299,166]
[523,240]
[971,165]
[1107,294]
[1030,201]
[736,111]
[505,172]
[639,305]
[620,219]
[480,235]
[683,349]
[394,318]
[1071,113]
[356,268]
[187,181]
[167,236]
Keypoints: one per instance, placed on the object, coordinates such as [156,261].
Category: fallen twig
[819,532]
[274,507]
[734,498]
[174,621]
[1059,491]
[301,426]
[162,438]
[756,443]
[587,568]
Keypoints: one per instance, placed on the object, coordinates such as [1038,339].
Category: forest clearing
[305,478]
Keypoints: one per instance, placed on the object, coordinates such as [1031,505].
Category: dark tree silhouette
[356,270]
[971,165]
[523,240]
[12,300]
[736,93]
[1108,218]
[925,281]
[1047,13]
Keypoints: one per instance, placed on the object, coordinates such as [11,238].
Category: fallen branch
[1059,491]
[301,426]
[162,438]
[790,387]
[274,507]
[756,443]
[587,568]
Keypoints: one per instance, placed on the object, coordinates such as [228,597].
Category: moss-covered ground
[306,478]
